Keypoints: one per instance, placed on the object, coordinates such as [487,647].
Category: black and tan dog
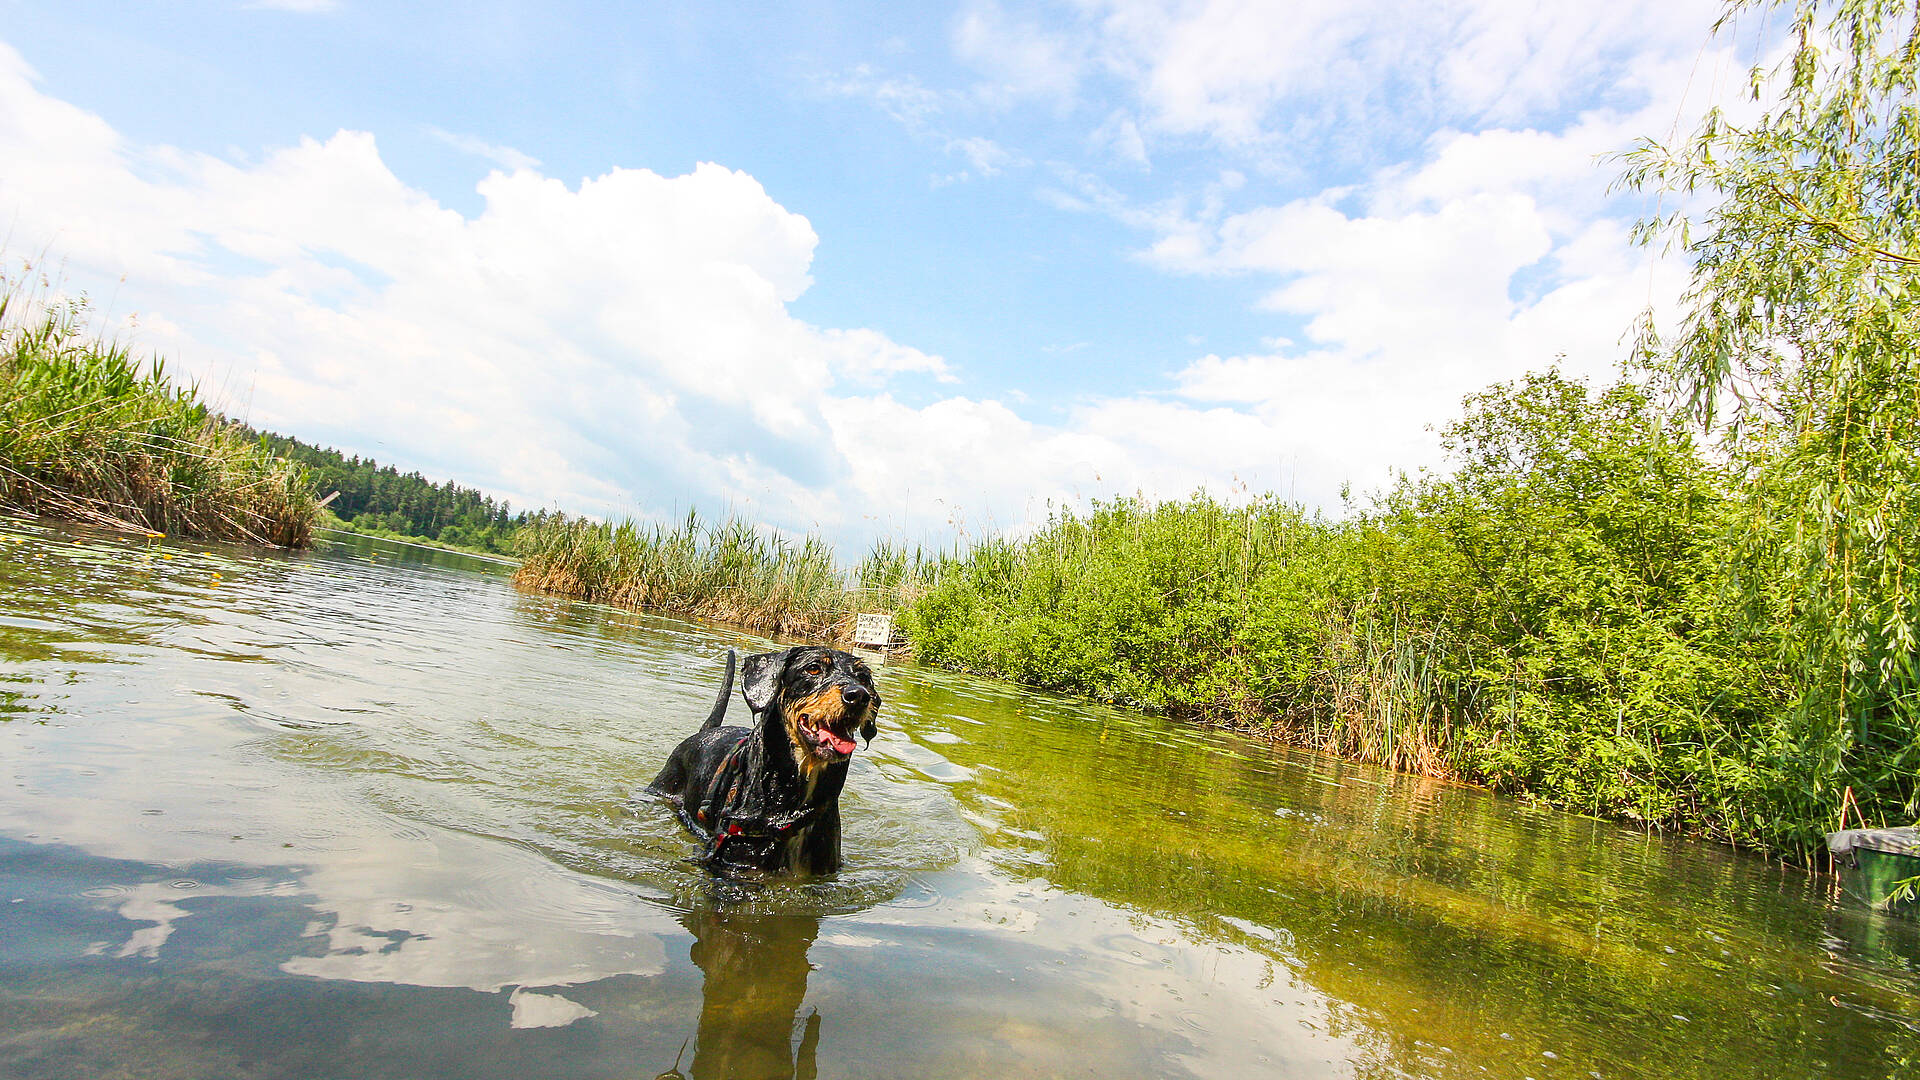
[767,798]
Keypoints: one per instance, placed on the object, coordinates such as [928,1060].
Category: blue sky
[863,268]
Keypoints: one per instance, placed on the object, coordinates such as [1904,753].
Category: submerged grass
[89,433]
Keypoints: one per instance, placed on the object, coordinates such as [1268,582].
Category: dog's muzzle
[826,722]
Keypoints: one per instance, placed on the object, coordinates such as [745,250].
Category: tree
[1799,351]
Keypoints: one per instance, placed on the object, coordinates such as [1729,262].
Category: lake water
[370,812]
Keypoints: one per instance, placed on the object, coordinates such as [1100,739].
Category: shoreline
[501,559]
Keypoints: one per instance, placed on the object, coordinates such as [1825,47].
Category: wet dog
[766,798]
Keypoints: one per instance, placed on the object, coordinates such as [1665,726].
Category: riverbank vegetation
[90,433]
[1687,599]
[1551,618]
[1556,616]
[731,571]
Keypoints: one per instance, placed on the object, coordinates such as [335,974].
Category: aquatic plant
[88,432]
[731,571]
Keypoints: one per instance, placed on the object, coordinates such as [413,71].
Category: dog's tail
[719,712]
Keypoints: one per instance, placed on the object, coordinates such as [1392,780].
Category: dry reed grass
[1380,697]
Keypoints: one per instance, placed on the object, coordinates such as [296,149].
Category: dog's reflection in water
[756,977]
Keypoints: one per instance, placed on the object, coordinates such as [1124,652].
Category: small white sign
[873,629]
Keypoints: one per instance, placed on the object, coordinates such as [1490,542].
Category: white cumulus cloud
[623,343]
[626,344]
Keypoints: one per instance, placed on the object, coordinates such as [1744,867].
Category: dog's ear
[870,721]
[869,726]
[762,678]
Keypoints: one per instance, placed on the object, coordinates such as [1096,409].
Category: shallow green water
[370,812]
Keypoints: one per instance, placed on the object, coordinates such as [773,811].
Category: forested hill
[382,499]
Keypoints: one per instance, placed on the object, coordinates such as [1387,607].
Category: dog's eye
[813,669]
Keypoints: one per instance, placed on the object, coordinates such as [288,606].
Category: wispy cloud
[1021,58]
[1254,79]
[984,158]
[902,97]
[504,156]
[1120,137]
[921,112]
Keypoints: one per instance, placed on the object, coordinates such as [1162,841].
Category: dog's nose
[855,695]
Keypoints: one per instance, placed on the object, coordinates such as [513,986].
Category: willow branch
[1807,217]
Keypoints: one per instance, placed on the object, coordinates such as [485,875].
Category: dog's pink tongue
[840,743]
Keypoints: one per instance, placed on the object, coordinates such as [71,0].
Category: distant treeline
[381,499]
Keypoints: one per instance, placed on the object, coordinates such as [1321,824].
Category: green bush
[1597,633]
[1191,608]
[1553,617]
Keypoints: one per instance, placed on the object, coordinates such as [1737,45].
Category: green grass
[88,432]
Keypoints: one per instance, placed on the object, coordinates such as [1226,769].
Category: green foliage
[1193,608]
[1548,619]
[1799,351]
[88,432]
[1596,647]
[382,501]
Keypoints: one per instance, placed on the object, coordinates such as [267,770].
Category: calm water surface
[370,812]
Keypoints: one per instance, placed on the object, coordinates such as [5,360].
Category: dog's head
[823,696]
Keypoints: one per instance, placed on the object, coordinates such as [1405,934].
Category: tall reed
[730,571]
[1384,692]
[88,432]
